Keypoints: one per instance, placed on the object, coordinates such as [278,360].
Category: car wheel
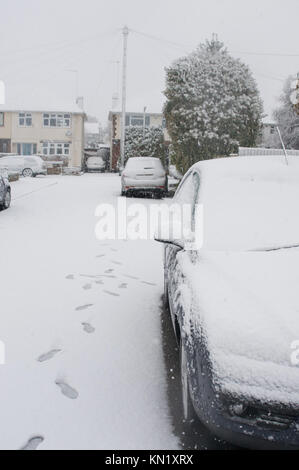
[188,409]
[27,172]
[7,200]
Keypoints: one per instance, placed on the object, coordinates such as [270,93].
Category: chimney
[115,101]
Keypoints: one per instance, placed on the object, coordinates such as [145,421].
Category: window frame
[50,149]
[25,116]
[57,120]
[2,119]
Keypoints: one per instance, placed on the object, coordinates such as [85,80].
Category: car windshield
[252,209]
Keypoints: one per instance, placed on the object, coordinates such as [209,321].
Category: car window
[188,190]
[30,161]
[188,194]
[144,163]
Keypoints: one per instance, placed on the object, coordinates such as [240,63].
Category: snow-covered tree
[212,106]
[148,142]
[287,118]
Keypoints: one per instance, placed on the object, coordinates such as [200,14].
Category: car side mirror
[170,233]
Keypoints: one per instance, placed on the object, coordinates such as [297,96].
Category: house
[132,119]
[268,137]
[56,133]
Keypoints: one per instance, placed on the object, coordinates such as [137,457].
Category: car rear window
[145,163]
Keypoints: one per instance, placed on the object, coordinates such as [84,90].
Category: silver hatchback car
[144,175]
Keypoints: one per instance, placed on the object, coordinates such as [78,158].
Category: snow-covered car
[234,300]
[95,164]
[31,165]
[144,175]
[5,193]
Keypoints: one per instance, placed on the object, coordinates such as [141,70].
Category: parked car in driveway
[234,302]
[144,175]
[31,165]
[95,164]
[5,193]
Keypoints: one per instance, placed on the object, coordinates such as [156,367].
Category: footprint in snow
[149,283]
[100,282]
[67,390]
[83,307]
[109,271]
[111,293]
[131,277]
[114,250]
[100,256]
[117,263]
[33,443]
[123,286]
[88,328]
[70,277]
[49,355]
[89,276]
[108,276]
[87,287]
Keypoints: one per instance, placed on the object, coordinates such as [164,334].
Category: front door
[5,146]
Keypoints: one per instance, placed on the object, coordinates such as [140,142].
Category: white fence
[248,152]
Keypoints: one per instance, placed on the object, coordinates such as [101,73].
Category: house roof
[137,113]
[51,108]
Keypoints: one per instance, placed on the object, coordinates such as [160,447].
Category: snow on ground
[80,323]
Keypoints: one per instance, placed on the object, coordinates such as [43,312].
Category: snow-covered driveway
[84,366]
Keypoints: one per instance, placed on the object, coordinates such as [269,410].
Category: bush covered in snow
[287,119]
[212,106]
[148,142]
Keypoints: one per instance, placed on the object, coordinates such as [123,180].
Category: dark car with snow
[5,193]
[233,298]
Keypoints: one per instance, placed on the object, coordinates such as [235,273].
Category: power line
[165,41]
[57,44]
[189,46]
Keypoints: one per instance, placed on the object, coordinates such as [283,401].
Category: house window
[26,149]
[25,119]
[56,120]
[272,130]
[1,119]
[59,149]
[137,120]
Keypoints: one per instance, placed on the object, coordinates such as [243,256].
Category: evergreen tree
[212,106]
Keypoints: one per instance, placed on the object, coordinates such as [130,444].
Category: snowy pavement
[81,324]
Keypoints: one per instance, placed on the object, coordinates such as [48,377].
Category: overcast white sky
[41,40]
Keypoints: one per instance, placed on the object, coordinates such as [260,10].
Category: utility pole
[124,96]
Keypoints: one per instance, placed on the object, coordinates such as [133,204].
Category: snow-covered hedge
[148,142]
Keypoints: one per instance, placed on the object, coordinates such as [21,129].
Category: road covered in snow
[80,320]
